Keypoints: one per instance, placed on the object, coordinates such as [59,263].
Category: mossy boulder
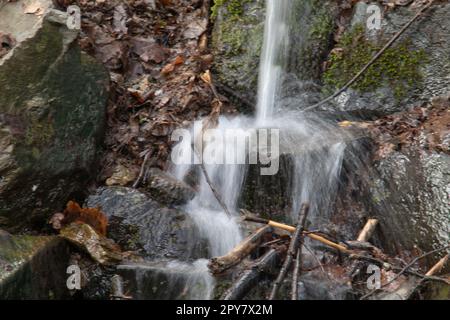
[33,267]
[414,69]
[52,116]
[238,36]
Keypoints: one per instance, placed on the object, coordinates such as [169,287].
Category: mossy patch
[234,8]
[398,67]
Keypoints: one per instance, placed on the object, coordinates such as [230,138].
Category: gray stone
[411,199]
[160,231]
[52,116]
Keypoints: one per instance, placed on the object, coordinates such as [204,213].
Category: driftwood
[374,59]
[220,264]
[250,277]
[289,228]
[296,242]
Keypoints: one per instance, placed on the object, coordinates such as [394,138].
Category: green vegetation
[235,8]
[398,67]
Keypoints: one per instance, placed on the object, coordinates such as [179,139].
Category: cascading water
[315,146]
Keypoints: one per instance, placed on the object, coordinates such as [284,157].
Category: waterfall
[274,52]
[314,145]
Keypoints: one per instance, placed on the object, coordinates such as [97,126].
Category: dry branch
[220,264]
[293,248]
[404,270]
[210,122]
[250,277]
[292,229]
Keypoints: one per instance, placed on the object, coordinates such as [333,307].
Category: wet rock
[166,189]
[101,249]
[406,182]
[33,267]
[237,41]
[52,112]
[136,221]
[412,71]
[171,280]
[410,198]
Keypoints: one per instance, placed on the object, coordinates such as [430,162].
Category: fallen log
[250,277]
[220,264]
[292,229]
[293,248]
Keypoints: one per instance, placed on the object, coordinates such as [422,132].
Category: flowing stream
[315,146]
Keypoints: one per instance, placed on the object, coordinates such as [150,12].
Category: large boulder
[52,113]
[406,185]
[33,267]
[237,41]
[136,222]
[409,73]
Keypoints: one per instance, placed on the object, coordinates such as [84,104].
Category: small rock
[168,190]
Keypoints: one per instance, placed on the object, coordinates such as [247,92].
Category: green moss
[322,26]
[39,133]
[398,67]
[235,8]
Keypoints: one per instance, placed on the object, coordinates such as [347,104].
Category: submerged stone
[52,115]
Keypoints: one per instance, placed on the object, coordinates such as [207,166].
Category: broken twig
[293,248]
[404,270]
[368,230]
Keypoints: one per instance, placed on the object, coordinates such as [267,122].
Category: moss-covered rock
[412,71]
[52,116]
[33,267]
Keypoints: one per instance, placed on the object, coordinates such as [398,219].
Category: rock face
[52,114]
[407,184]
[412,71]
[25,271]
[237,41]
[136,221]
